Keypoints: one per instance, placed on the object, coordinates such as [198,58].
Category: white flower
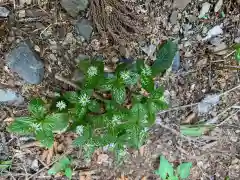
[109,147]
[147,71]
[61,105]
[122,153]
[36,126]
[125,75]
[116,119]
[84,99]
[79,130]
[92,71]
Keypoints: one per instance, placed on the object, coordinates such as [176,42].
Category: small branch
[66,81]
[194,104]
[178,107]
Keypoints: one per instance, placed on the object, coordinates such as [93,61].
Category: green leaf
[151,111]
[165,168]
[45,137]
[147,83]
[58,121]
[237,55]
[37,109]
[195,130]
[138,112]
[183,170]
[59,166]
[21,125]
[5,165]
[68,172]
[140,65]
[94,106]
[165,55]
[71,96]
[173,178]
[81,140]
[119,94]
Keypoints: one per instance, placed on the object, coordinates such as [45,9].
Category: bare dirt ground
[202,72]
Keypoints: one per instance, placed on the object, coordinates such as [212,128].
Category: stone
[149,50]
[205,8]
[220,49]
[73,7]
[174,17]
[81,57]
[176,62]
[84,29]
[10,97]
[180,4]
[26,63]
[4,12]
[78,76]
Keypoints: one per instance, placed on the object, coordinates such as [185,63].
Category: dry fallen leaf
[191,119]
[141,150]
[102,158]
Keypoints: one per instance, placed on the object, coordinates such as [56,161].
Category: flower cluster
[92,71]
[84,99]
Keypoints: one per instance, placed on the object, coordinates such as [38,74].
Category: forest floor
[207,67]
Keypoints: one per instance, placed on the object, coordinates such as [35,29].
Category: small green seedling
[166,171]
[63,165]
[4,165]
[237,52]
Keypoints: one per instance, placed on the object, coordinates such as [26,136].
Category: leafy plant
[63,165]
[109,111]
[237,52]
[167,172]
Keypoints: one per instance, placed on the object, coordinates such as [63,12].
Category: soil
[215,156]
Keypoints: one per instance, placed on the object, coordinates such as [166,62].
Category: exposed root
[116,20]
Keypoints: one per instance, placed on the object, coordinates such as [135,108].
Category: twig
[178,107]
[60,78]
[229,54]
[194,104]
[228,91]
[224,121]
[64,154]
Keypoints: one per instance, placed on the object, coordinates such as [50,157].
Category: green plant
[166,171]
[237,53]
[113,111]
[63,165]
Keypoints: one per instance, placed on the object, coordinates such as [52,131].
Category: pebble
[176,62]
[26,63]
[4,12]
[81,57]
[174,17]
[218,6]
[84,29]
[180,4]
[237,40]
[149,50]
[73,7]
[10,97]
[77,76]
[205,8]
[219,48]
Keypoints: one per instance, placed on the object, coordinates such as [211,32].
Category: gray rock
[81,57]
[73,7]
[4,12]
[26,63]
[10,97]
[84,29]
[78,76]
[174,17]
[180,4]
[176,62]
